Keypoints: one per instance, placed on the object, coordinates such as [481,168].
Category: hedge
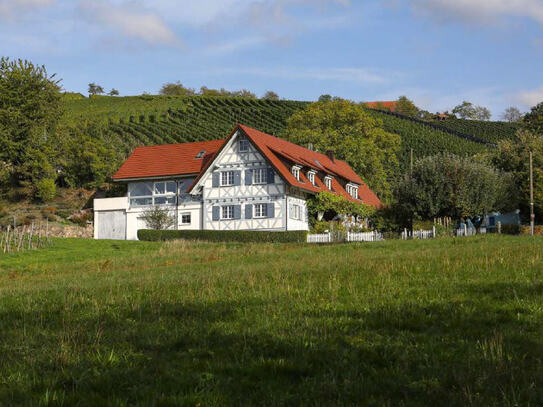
[298,236]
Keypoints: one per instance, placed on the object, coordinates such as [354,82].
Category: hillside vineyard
[129,122]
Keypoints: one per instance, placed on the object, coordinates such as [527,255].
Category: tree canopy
[513,156]
[406,107]
[30,108]
[270,95]
[533,121]
[512,115]
[467,110]
[95,89]
[354,135]
[176,89]
[448,185]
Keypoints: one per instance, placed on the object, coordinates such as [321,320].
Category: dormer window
[352,190]
[296,172]
[311,176]
[328,182]
[243,145]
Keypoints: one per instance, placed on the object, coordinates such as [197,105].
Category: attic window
[328,182]
[352,190]
[200,154]
[311,176]
[296,172]
[318,163]
[243,145]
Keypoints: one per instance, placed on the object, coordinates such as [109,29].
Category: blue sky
[437,52]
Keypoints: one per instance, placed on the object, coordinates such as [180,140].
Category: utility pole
[532,215]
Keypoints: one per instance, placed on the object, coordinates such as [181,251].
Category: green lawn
[442,322]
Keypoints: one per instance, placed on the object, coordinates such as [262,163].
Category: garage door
[111,225]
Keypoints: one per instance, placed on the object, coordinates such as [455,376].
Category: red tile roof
[180,159]
[274,148]
[379,105]
[167,160]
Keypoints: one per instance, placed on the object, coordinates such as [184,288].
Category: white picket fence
[364,237]
[419,234]
[319,238]
[349,237]
[465,231]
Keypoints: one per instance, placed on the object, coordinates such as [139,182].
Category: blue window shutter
[270,176]
[216,212]
[237,211]
[248,177]
[270,213]
[237,178]
[248,211]
[216,179]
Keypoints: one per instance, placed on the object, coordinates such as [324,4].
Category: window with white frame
[243,145]
[259,176]
[296,212]
[311,177]
[185,218]
[227,212]
[296,172]
[153,193]
[328,182]
[352,190]
[260,210]
[227,178]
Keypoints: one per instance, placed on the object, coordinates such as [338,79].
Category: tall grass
[444,322]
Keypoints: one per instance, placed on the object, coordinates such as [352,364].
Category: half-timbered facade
[249,181]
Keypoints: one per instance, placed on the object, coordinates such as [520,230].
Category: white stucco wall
[231,159]
[201,206]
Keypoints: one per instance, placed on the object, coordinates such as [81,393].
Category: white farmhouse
[248,181]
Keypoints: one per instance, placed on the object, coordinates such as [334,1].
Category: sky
[436,52]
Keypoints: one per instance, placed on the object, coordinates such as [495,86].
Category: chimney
[330,154]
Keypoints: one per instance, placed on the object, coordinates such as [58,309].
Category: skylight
[201,154]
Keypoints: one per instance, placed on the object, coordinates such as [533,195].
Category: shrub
[510,229]
[46,189]
[158,218]
[538,230]
[299,236]
[64,213]
[81,219]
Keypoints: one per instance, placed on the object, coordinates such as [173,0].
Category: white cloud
[231,46]
[480,10]
[267,21]
[531,97]
[12,9]
[130,19]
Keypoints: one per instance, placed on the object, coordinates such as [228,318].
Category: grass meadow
[451,322]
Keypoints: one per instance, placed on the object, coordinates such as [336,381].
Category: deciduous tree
[356,137]
[270,95]
[176,89]
[468,110]
[533,121]
[448,185]
[95,89]
[512,114]
[514,156]
[30,108]
[406,107]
